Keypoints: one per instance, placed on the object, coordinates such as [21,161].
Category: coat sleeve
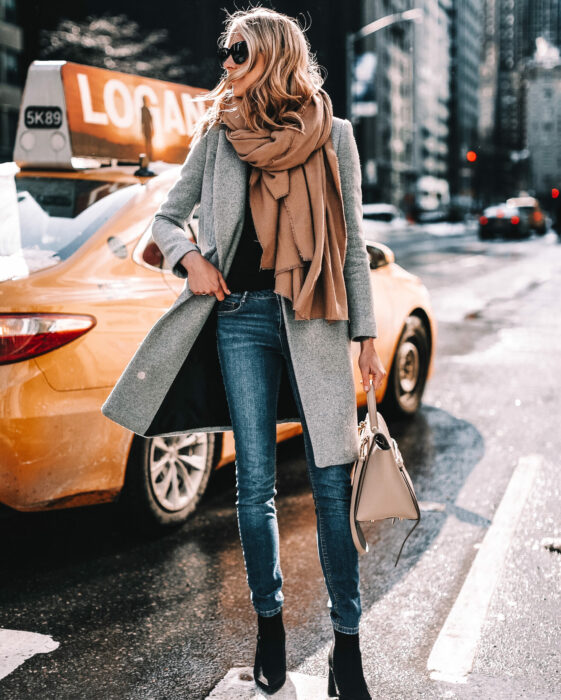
[168,227]
[356,270]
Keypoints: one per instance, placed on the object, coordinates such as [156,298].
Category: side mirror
[152,255]
[379,256]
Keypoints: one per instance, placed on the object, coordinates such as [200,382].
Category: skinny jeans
[252,347]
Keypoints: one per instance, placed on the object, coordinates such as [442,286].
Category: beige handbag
[382,487]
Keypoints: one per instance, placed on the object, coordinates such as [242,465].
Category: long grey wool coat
[173,384]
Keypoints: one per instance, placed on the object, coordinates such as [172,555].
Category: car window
[385,216]
[53,217]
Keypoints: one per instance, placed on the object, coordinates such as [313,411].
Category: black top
[245,273]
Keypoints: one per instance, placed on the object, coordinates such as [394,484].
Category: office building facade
[11,80]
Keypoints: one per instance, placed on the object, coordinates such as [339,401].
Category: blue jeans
[252,345]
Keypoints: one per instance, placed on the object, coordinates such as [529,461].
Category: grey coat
[173,383]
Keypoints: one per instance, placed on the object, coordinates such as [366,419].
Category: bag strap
[371,401]
[405,540]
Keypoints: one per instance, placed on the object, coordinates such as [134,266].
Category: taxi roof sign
[71,111]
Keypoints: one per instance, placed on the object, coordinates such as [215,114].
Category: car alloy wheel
[408,363]
[177,467]
[408,374]
[166,478]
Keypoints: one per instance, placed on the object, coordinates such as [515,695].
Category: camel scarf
[297,206]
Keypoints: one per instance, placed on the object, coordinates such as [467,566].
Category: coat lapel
[228,195]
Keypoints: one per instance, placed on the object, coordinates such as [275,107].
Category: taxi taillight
[27,335]
[515,219]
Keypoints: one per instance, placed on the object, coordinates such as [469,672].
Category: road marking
[16,646]
[451,658]
[238,683]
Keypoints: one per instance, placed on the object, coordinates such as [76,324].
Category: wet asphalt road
[167,618]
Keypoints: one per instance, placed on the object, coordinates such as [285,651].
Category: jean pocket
[230,304]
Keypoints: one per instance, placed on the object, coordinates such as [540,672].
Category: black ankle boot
[346,678]
[269,670]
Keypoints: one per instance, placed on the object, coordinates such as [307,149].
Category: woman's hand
[369,363]
[204,278]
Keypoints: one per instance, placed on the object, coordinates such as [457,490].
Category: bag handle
[371,401]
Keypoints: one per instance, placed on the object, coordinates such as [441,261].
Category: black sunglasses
[238,51]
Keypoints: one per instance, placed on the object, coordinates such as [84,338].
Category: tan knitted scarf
[297,206]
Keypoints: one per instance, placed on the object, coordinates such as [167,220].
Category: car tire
[166,478]
[408,374]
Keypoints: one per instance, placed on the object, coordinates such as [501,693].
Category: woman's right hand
[204,278]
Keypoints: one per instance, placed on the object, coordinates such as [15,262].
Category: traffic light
[554,193]
[471,156]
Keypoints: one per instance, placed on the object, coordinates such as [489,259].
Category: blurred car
[529,208]
[82,283]
[432,217]
[503,221]
[382,220]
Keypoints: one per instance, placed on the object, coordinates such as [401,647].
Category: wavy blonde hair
[291,75]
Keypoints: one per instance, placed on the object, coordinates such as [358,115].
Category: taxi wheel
[408,374]
[166,478]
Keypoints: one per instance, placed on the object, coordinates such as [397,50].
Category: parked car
[384,218]
[81,283]
[95,283]
[433,217]
[529,207]
[503,221]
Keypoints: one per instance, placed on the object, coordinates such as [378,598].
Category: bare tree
[118,43]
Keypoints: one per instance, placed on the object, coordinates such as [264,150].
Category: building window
[10,11]
[13,116]
[11,61]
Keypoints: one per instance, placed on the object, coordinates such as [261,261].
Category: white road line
[238,683]
[451,658]
[16,646]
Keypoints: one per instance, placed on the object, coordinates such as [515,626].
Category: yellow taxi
[82,282]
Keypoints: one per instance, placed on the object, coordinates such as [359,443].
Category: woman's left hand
[370,364]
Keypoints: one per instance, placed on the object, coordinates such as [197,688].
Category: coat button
[141,375]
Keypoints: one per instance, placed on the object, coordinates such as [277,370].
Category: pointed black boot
[346,678]
[269,670]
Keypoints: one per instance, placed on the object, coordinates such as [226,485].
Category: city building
[543,120]
[382,111]
[466,26]
[11,80]
[540,18]
[511,29]
[431,94]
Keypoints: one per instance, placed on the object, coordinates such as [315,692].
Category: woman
[266,55]
[281,259]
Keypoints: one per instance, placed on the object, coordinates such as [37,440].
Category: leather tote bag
[381,486]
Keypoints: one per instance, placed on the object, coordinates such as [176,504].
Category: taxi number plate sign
[43,117]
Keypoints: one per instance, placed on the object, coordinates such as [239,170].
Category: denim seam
[326,559]
[269,613]
[345,630]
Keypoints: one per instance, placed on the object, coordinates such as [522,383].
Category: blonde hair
[290,77]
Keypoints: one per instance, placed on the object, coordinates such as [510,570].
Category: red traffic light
[555,193]
[471,156]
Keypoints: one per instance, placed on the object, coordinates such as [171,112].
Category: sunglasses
[238,51]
